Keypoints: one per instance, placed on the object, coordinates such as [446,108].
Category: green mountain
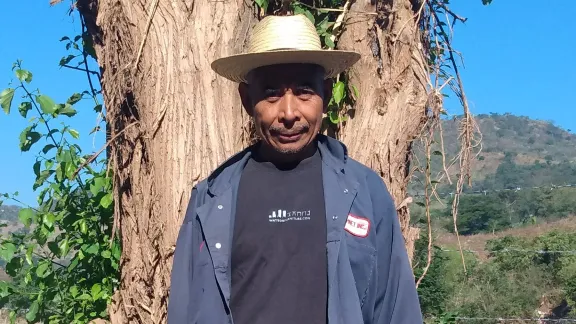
[516,152]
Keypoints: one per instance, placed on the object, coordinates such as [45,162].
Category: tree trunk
[391,79]
[175,120]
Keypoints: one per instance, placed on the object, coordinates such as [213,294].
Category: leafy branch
[65,264]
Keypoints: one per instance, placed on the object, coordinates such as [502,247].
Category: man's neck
[267,153]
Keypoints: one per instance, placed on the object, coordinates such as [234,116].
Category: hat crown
[276,33]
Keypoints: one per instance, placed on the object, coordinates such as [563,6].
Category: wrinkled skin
[286,103]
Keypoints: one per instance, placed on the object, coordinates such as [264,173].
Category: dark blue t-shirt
[279,270]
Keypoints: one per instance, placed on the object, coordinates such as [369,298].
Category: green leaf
[36,168]
[24,107]
[70,170]
[95,291]
[44,175]
[338,92]
[106,254]
[74,98]
[14,266]
[74,133]
[420,204]
[41,270]
[305,12]
[28,137]
[333,115]
[47,148]
[98,108]
[60,171]
[46,103]
[93,249]
[32,311]
[65,60]
[53,247]
[83,226]
[97,186]
[65,38]
[6,97]
[116,252]
[73,264]
[7,251]
[49,219]
[262,4]
[73,291]
[328,41]
[106,200]
[24,75]
[26,215]
[67,110]
[64,246]
[437,153]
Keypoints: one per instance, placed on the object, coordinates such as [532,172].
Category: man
[290,230]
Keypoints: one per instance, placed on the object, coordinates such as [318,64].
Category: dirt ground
[478,242]
[5,318]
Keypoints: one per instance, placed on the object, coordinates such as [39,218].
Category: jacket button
[220,206]
[334,217]
[345,191]
[218,245]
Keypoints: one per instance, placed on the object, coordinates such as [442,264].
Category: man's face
[286,103]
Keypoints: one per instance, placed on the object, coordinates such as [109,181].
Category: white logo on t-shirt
[281,216]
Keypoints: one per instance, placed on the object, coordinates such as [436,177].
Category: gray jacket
[369,276]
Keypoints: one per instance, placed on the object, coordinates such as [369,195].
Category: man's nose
[289,108]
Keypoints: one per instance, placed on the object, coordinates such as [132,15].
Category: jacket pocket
[363,263]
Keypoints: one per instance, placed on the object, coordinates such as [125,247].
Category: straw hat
[281,40]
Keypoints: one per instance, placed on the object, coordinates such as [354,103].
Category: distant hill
[9,213]
[516,152]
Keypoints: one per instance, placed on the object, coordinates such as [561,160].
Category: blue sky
[518,58]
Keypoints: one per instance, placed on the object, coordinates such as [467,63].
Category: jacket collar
[333,152]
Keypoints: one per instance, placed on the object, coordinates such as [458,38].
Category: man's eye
[271,93]
[304,91]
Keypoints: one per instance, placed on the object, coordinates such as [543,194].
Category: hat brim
[236,67]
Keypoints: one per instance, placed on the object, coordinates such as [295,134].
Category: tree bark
[183,120]
[391,79]
[187,122]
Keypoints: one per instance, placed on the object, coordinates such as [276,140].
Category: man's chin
[289,149]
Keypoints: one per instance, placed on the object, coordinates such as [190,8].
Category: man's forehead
[286,72]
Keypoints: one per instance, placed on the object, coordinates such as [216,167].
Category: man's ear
[244,92]
[328,83]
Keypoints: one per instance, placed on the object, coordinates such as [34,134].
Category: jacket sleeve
[396,297]
[181,275]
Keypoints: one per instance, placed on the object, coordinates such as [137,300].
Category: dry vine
[443,70]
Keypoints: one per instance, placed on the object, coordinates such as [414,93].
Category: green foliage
[495,211]
[432,291]
[65,268]
[519,275]
[552,253]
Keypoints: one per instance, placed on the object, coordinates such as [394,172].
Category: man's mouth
[289,137]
